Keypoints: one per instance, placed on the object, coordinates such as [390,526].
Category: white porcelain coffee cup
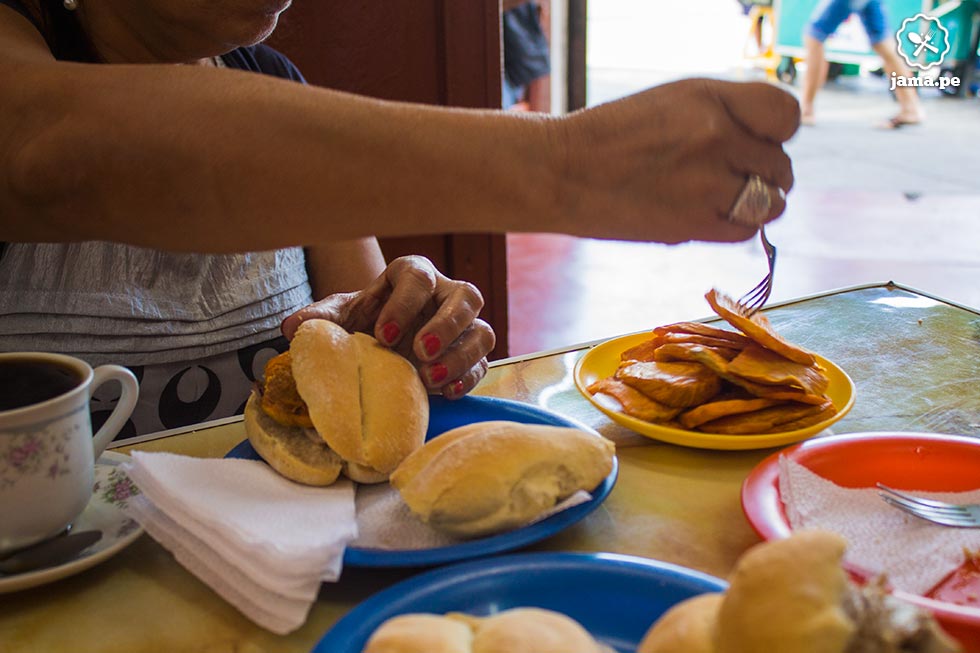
[47,450]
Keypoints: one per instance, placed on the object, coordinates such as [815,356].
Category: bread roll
[420,633]
[518,630]
[532,630]
[296,453]
[688,627]
[366,401]
[489,477]
[788,595]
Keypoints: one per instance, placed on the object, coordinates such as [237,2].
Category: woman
[148,171]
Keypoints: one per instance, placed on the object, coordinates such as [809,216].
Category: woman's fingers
[466,382]
[411,283]
[747,155]
[463,363]
[766,111]
[459,303]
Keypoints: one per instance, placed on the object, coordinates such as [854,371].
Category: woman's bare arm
[191,158]
[343,266]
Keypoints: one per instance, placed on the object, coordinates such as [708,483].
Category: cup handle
[124,407]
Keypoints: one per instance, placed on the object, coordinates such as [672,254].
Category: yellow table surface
[671,503]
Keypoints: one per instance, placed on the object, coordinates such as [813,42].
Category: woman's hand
[667,164]
[424,315]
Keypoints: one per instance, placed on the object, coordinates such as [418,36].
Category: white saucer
[104,513]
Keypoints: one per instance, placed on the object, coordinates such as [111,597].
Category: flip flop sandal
[897,123]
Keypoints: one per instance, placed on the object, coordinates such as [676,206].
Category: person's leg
[814,78]
[875,24]
[824,21]
[910,109]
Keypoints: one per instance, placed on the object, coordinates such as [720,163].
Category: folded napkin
[915,555]
[262,542]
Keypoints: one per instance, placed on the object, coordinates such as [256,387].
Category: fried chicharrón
[699,377]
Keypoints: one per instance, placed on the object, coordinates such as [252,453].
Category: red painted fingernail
[431,343]
[438,373]
[390,332]
[457,387]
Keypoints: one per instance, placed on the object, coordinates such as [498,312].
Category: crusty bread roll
[688,627]
[421,633]
[793,596]
[298,454]
[532,630]
[493,476]
[787,595]
[366,401]
[518,630]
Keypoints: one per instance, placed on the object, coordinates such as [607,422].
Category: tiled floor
[869,206]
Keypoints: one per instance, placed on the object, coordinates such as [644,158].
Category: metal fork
[755,299]
[961,515]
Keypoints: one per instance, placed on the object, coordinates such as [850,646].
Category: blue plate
[615,597]
[445,415]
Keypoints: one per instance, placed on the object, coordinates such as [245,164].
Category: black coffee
[26,381]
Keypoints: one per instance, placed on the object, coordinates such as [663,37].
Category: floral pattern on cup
[28,454]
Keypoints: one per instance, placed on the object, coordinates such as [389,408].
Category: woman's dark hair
[64,33]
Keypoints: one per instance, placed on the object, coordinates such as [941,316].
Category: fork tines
[940,512]
[755,299]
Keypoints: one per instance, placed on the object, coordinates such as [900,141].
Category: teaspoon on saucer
[48,553]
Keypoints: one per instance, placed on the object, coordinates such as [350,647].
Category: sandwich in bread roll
[518,630]
[337,402]
[488,477]
[793,596]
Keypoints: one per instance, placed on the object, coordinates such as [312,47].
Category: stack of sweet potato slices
[699,377]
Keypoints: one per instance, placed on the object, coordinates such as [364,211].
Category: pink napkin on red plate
[914,554]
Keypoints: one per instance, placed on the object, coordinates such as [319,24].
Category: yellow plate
[603,359]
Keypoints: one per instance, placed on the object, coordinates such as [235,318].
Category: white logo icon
[922,41]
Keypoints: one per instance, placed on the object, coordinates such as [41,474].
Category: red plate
[942,463]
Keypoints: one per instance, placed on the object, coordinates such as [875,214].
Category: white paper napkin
[914,554]
[384,521]
[260,541]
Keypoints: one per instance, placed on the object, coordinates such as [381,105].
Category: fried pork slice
[709,341]
[675,384]
[784,417]
[757,328]
[738,340]
[280,399]
[688,351]
[765,366]
[634,403]
[713,410]
[719,366]
[643,351]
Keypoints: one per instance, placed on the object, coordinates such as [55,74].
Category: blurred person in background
[826,17]
[527,57]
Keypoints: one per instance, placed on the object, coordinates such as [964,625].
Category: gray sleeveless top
[109,303]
